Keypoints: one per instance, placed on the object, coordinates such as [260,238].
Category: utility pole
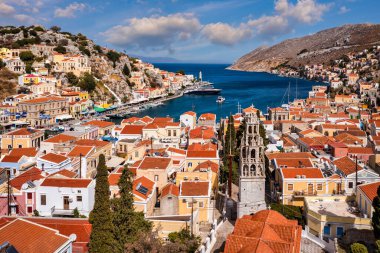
[230,161]
[356,175]
[80,165]
[192,216]
[8,171]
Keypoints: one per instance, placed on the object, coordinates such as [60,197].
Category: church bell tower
[251,169]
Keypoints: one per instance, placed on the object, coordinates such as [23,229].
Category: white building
[52,163]
[60,196]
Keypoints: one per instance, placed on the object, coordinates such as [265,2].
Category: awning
[63,117]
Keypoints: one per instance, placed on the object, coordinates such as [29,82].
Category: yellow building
[31,79]
[22,138]
[200,153]
[4,53]
[331,217]
[294,184]
[365,196]
[196,195]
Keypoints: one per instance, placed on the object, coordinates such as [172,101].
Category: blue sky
[191,31]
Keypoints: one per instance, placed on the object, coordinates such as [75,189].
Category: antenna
[239,107]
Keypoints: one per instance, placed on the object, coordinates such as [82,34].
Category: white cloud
[6,9]
[225,34]
[24,18]
[270,26]
[154,32]
[70,10]
[305,11]
[343,10]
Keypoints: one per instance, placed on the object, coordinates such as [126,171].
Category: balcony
[61,212]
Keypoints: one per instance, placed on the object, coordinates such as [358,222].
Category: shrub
[60,49]
[55,28]
[358,248]
[27,56]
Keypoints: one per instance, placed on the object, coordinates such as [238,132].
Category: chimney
[43,167]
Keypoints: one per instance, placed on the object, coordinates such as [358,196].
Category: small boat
[220,99]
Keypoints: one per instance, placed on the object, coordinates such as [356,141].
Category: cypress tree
[128,223]
[102,237]
[376,215]
[230,139]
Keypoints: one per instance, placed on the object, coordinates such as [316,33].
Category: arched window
[245,170]
[255,129]
[253,154]
[249,141]
[244,153]
[250,129]
[259,171]
[253,170]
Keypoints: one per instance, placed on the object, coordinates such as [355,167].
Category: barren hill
[320,47]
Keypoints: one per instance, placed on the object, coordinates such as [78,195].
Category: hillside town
[303,177]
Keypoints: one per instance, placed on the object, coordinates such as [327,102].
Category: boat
[115,116]
[205,90]
[220,99]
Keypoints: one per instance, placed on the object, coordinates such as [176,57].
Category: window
[350,185]
[339,231]
[319,187]
[189,204]
[155,178]
[174,133]
[29,195]
[29,209]
[43,200]
[79,198]
[326,230]
[169,198]
[20,146]
[290,187]
[136,153]
[201,205]
[169,133]
[190,165]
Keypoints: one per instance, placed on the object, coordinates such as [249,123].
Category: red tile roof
[66,226]
[190,113]
[266,231]
[207,116]
[78,150]
[205,133]
[307,172]
[132,129]
[177,150]
[346,165]
[88,142]
[30,175]
[66,182]
[65,173]
[61,138]
[171,189]
[23,131]
[100,123]
[160,163]
[195,188]
[294,163]
[207,165]
[11,159]
[113,178]
[38,237]
[145,182]
[30,152]
[43,100]
[54,158]
[291,155]
[370,190]
[360,150]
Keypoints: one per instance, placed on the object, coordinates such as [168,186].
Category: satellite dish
[73,237]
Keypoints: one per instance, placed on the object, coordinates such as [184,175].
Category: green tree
[358,248]
[87,82]
[128,223]
[113,56]
[126,71]
[184,238]
[98,48]
[181,71]
[72,78]
[2,64]
[263,134]
[376,214]
[377,244]
[76,213]
[27,56]
[102,234]
[229,143]
[60,49]
[55,28]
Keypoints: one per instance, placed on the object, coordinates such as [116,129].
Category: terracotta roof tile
[78,150]
[32,174]
[307,172]
[66,182]
[113,178]
[23,131]
[161,163]
[195,188]
[171,189]
[292,155]
[54,158]
[88,142]
[346,165]
[145,182]
[132,129]
[100,123]
[60,138]
[207,165]
[38,237]
[370,190]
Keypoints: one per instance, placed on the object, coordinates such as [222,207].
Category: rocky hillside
[109,67]
[317,48]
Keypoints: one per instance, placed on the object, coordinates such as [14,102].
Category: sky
[189,30]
